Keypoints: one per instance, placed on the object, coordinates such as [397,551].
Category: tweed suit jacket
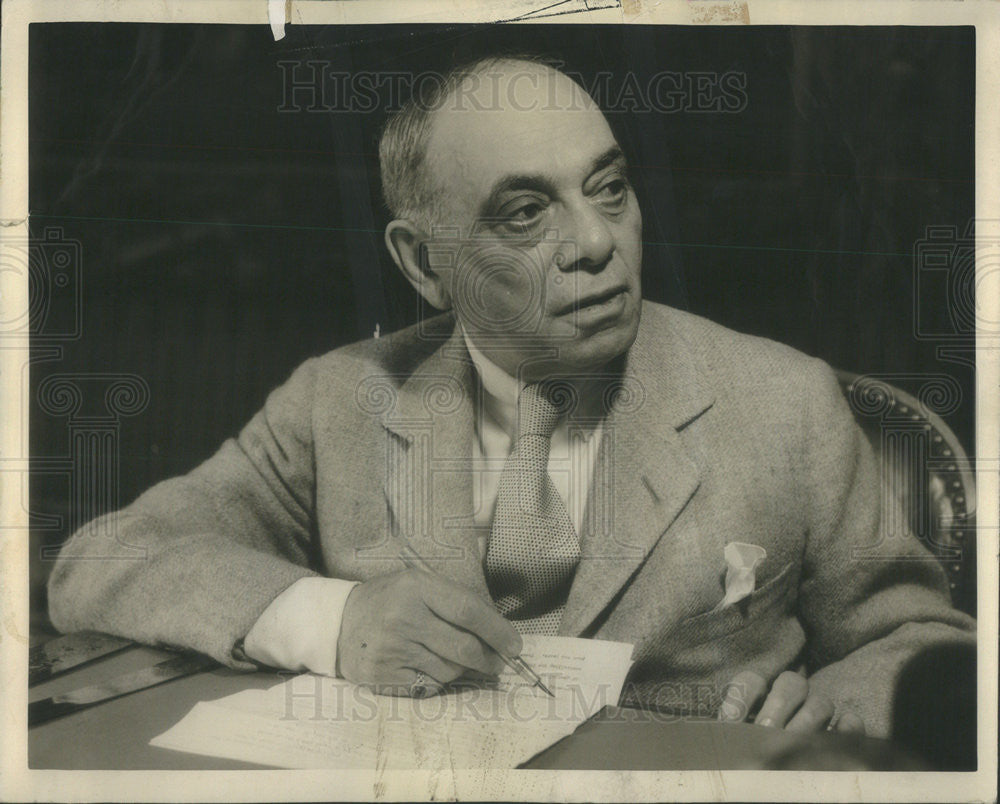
[713,437]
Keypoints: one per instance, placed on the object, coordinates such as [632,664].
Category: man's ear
[406,243]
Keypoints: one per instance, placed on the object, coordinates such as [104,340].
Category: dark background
[223,241]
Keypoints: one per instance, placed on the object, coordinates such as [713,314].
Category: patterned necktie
[533,548]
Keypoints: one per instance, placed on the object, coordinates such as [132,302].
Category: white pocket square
[741,572]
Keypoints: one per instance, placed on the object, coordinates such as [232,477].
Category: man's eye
[614,193]
[526,213]
[521,220]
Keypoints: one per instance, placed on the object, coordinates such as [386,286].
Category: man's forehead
[517,117]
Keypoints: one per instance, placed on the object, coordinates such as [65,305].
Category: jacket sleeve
[871,596]
[194,561]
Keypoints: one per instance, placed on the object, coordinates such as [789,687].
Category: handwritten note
[314,721]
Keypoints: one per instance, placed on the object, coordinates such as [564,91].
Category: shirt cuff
[299,629]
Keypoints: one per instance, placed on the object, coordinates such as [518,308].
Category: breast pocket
[766,605]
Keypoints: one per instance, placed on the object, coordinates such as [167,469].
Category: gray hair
[407,187]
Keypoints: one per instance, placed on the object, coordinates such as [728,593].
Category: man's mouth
[595,302]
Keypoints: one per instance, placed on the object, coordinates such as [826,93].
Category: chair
[927,477]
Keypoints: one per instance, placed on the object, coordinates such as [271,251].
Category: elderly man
[564,457]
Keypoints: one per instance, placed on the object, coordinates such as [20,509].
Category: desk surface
[115,735]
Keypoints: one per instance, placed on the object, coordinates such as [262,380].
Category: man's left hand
[790,704]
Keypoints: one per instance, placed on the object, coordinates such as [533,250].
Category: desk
[115,735]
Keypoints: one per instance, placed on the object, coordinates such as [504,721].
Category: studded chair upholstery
[927,478]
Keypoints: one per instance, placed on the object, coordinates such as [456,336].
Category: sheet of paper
[313,721]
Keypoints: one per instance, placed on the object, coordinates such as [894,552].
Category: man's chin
[562,348]
[592,351]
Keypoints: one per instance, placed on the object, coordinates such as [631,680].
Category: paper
[314,721]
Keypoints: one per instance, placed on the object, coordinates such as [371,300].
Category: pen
[413,561]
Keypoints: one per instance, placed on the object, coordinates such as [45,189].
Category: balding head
[410,186]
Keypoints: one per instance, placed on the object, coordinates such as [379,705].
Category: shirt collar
[501,390]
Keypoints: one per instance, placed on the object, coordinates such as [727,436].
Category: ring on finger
[418,689]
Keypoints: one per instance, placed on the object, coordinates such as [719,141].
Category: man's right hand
[396,626]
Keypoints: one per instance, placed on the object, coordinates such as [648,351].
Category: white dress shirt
[572,456]
[297,630]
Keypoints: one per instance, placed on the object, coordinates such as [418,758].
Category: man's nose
[588,239]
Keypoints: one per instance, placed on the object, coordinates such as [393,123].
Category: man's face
[549,245]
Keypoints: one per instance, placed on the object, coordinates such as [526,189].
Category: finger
[464,608]
[418,685]
[814,715]
[458,647]
[787,694]
[850,723]
[424,686]
[435,667]
[740,696]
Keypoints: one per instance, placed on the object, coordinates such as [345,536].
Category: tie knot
[537,412]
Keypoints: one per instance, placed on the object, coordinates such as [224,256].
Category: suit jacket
[713,437]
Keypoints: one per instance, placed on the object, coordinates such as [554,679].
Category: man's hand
[396,626]
[789,704]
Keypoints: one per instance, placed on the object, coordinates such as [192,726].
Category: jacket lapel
[428,480]
[644,475]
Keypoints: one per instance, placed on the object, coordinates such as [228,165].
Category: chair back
[927,478]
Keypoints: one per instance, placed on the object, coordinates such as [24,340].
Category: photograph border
[17,782]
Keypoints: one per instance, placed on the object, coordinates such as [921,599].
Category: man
[563,457]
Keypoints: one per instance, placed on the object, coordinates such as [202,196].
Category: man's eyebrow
[540,182]
[609,157]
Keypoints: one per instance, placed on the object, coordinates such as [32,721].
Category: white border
[18,783]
